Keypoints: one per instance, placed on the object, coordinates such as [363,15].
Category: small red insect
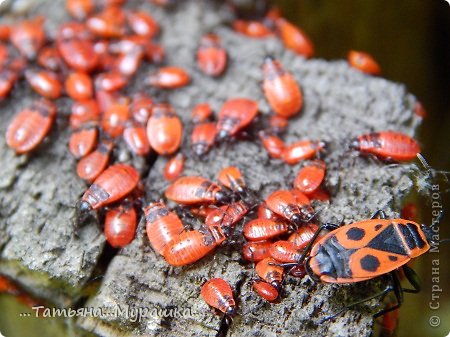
[201,113]
[50,58]
[302,150]
[202,138]
[231,177]
[80,9]
[281,90]
[289,206]
[227,215]
[387,145]
[154,52]
[169,78]
[294,38]
[268,270]
[263,229]
[164,129]
[120,225]
[28,129]
[110,81]
[191,246]
[310,177]
[194,190]
[127,64]
[79,86]
[44,82]
[253,29]
[93,164]
[162,225]
[211,55]
[28,36]
[82,142]
[273,144]
[79,54]
[109,23]
[303,235]
[142,24]
[235,115]
[136,138]
[285,251]
[218,294]
[265,290]
[255,251]
[174,167]
[141,108]
[7,80]
[114,119]
[265,213]
[363,62]
[84,113]
[115,183]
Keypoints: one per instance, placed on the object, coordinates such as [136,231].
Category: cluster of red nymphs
[93,58]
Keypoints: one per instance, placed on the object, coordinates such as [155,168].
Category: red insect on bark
[169,78]
[142,24]
[135,137]
[79,86]
[281,90]
[194,190]
[310,177]
[164,129]
[202,138]
[285,251]
[110,81]
[363,62]
[44,82]
[7,80]
[115,183]
[255,251]
[289,206]
[218,294]
[268,270]
[114,119]
[253,29]
[50,58]
[29,128]
[109,23]
[226,216]
[303,235]
[201,113]
[154,52]
[127,64]
[83,142]
[93,164]
[211,55]
[278,124]
[162,225]
[84,113]
[174,167]
[235,115]
[265,290]
[141,108]
[265,213]
[302,150]
[28,36]
[387,145]
[263,229]
[294,38]
[192,246]
[79,54]
[273,144]
[120,225]
[80,9]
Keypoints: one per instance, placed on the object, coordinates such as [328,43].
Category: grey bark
[38,241]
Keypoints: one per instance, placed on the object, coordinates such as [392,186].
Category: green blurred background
[411,41]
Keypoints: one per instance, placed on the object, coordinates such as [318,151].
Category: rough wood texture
[37,236]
